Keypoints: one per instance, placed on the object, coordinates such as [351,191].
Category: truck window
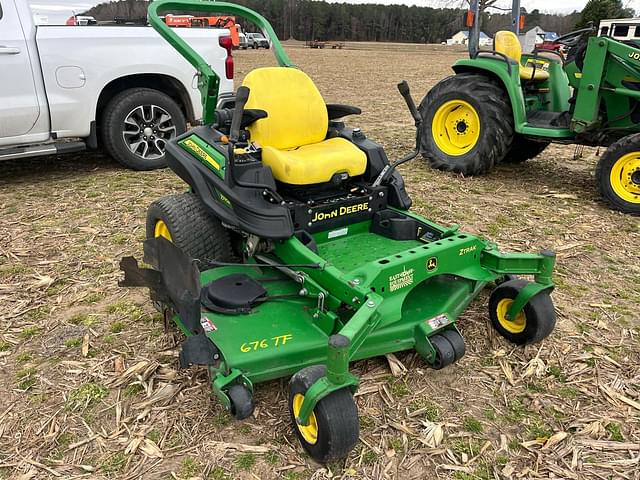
[637,32]
[0,11]
[621,31]
[604,31]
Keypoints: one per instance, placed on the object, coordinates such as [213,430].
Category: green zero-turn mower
[294,251]
[503,106]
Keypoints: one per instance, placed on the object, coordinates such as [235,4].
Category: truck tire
[467,124]
[524,149]
[136,125]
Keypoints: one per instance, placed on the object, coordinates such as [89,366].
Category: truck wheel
[618,174]
[467,124]
[137,124]
[524,149]
[183,220]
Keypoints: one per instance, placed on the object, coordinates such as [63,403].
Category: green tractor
[293,252]
[505,106]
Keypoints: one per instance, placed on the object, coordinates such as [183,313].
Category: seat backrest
[297,112]
[507,43]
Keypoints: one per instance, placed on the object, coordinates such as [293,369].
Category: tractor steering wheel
[573,38]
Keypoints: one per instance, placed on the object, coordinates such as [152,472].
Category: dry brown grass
[88,378]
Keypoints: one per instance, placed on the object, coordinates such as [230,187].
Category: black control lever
[242,95]
[403,88]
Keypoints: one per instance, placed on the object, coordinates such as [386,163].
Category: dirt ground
[89,384]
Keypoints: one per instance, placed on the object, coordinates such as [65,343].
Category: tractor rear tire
[618,175]
[524,149]
[467,124]
[183,220]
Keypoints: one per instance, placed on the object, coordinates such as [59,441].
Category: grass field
[89,384]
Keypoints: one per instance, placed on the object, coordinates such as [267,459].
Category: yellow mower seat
[507,43]
[293,136]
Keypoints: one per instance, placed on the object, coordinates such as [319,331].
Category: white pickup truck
[67,88]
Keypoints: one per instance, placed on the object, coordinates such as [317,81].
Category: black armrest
[250,115]
[337,111]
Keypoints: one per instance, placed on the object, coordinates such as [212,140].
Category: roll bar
[208,80]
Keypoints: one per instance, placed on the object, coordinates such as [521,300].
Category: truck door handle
[8,50]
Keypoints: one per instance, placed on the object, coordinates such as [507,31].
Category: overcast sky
[58,11]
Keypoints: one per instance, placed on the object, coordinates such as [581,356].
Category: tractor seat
[507,43]
[293,136]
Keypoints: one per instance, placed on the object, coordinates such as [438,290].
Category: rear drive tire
[524,149]
[618,175]
[136,126]
[183,220]
[467,124]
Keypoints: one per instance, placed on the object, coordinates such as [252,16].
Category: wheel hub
[456,127]
[625,177]
[517,325]
[147,129]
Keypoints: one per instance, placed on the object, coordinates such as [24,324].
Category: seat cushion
[527,73]
[315,163]
[508,44]
[297,112]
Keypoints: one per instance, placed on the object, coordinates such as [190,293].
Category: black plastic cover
[232,294]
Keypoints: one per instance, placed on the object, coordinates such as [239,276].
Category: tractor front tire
[183,220]
[333,427]
[467,124]
[618,175]
[524,149]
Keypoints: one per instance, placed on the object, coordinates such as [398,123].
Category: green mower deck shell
[383,282]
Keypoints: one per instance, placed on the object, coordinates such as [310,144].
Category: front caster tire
[534,323]
[137,124]
[449,348]
[241,401]
[183,220]
[467,124]
[618,175]
[333,428]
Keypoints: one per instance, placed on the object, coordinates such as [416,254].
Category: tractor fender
[506,75]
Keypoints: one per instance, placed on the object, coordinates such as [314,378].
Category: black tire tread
[337,416]
[498,121]
[242,404]
[524,149]
[193,229]
[625,145]
[539,311]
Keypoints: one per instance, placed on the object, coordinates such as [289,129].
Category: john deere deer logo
[432,264]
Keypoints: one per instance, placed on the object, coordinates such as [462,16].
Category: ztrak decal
[465,250]
[277,341]
[401,280]
[339,212]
